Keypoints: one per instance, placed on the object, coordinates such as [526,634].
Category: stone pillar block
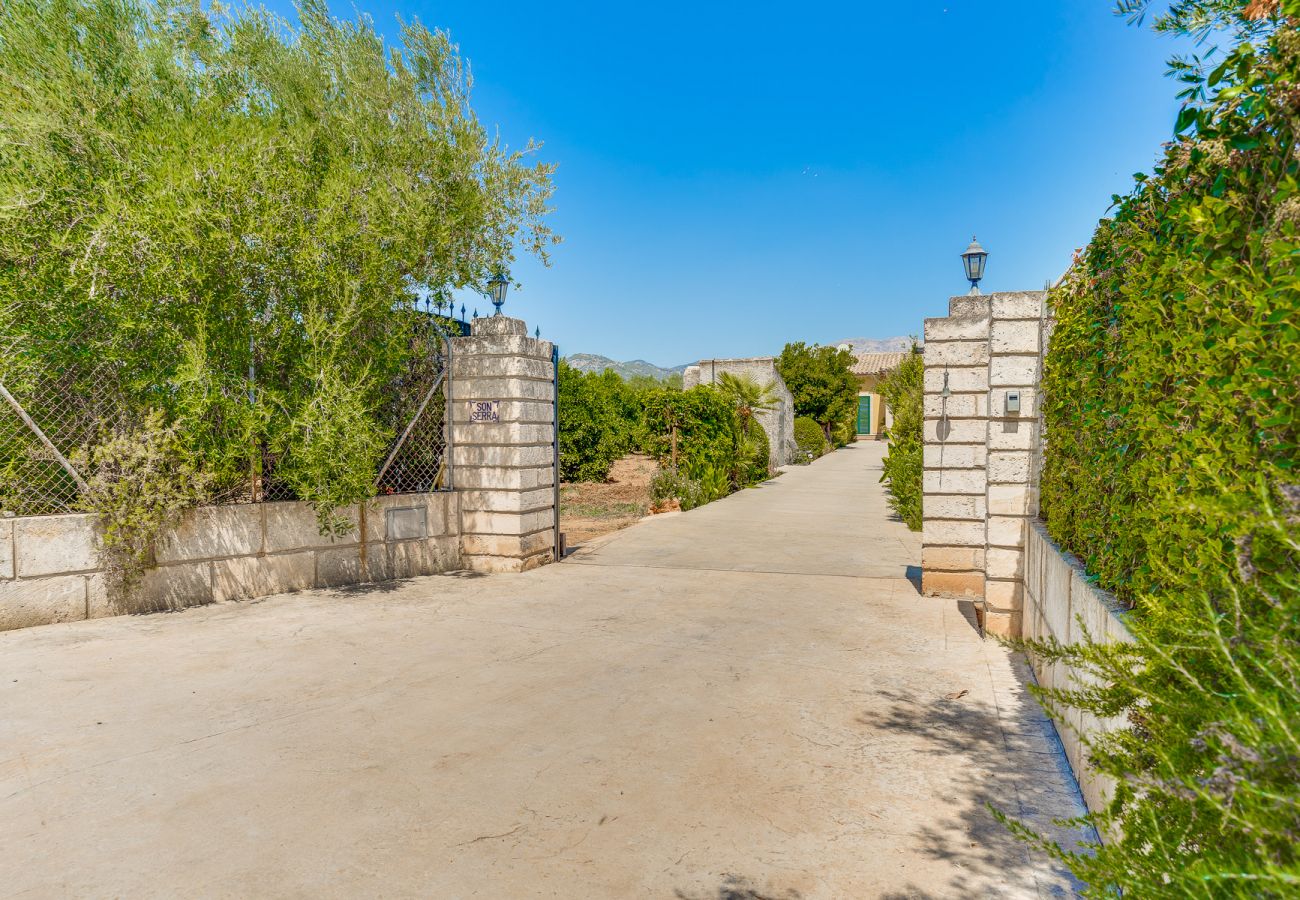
[981,459]
[503,456]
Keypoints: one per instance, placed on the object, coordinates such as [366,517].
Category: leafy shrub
[1172,413]
[669,484]
[810,438]
[694,431]
[600,419]
[140,480]
[755,456]
[902,392]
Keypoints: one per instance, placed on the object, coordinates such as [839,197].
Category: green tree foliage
[755,462]
[810,438]
[902,390]
[748,397]
[694,431]
[189,192]
[824,388]
[600,417]
[1173,440]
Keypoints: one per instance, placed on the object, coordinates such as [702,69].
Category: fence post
[503,421]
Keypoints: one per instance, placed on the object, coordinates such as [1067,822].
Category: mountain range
[593,362]
[876,345]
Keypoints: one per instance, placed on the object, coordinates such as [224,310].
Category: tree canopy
[823,386]
[239,213]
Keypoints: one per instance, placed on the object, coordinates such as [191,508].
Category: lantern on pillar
[973,260]
[498,287]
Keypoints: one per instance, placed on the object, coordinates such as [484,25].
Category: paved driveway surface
[748,700]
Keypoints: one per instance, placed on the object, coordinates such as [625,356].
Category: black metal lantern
[498,286]
[973,259]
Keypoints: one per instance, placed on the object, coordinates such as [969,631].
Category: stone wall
[499,516]
[979,455]
[50,569]
[1060,603]
[504,471]
[778,422]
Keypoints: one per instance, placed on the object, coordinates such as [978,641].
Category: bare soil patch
[588,510]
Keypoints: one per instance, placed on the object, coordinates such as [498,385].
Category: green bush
[600,418]
[810,438]
[755,458]
[1172,416]
[694,431]
[902,392]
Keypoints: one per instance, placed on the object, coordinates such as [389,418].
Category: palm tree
[748,396]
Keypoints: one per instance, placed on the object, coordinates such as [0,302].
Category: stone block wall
[50,569]
[499,516]
[980,458]
[504,471]
[778,422]
[1060,603]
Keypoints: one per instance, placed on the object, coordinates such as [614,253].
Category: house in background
[871,369]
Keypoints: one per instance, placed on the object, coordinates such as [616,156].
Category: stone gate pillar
[503,446]
[983,365]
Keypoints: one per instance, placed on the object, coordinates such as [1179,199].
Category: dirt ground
[590,510]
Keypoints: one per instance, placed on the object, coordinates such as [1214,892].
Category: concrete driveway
[748,700]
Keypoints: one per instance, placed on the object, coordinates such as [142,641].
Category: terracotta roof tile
[876,363]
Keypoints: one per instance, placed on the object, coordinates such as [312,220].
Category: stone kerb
[504,470]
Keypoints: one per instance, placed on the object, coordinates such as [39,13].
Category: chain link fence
[61,399]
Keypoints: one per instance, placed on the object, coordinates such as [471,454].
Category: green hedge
[1172,417]
[902,392]
[810,438]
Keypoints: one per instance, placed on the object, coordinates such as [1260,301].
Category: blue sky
[735,176]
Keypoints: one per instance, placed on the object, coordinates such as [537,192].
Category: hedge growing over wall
[1172,469]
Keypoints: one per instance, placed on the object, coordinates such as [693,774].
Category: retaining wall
[1061,604]
[50,569]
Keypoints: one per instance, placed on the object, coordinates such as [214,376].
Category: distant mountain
[875,345]
[591,362]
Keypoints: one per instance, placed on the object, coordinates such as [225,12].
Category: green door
[864,415]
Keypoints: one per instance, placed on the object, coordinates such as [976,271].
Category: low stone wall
[1060,603]
[50,569]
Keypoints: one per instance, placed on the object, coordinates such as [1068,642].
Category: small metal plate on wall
[485,410]
[407,522]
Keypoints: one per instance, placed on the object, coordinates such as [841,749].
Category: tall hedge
[1172,417]
[903,393]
